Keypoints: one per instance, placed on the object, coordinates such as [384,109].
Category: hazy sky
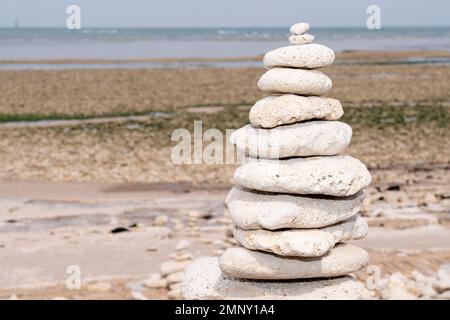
[224,13]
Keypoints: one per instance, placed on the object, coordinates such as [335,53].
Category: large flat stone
[274,111]
[297,81]
[314,138]
[247,264]
[339,176]
[261,210]
[305,56]
[302,242]
[204,280]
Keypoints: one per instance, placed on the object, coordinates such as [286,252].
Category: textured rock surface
[299,28]
[273,111]
[301,39]
[203,279]
[254,210]
[335,176]
[302,242]
[315,138]
[308,56]
[298,81]
[243,263]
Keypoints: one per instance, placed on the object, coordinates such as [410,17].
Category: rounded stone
[302,242]
[338,176]
[308,56]
[297,81]
[203,280]
[248,264]
[301,39]
[299,28]
[274,111]
[255,210]
[315,138]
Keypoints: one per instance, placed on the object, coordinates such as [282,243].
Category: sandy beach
[84,152]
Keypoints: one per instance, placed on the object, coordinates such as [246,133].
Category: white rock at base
[314,138]
[299,28]
[299,39]
[308,56]
[203,280]
[339,176]
[247,264]
[302,242]
[274,111]
[298,81]
[255,210]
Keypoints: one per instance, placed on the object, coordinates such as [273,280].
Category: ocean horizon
[139,43]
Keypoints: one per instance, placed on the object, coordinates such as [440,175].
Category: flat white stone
[203,280]
[299,28]
[248,264]
[314,138]
[308,56]
[274,111]
[338,176]
[255,210]
[298,39]
[302,242]
[297,81]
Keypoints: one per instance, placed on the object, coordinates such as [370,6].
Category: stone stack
[297,198]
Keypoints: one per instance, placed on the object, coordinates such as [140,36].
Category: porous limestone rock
[255,210]
[247,264]
[274,111]
[299,28]
[203,280]
[314,138]
[339,176]
[299,39]
[297,81]
[302,242]
[308,56]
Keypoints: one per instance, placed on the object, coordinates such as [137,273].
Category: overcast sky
[224,13]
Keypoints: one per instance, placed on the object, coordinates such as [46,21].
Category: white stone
[182,245]
[299,39]
[174,278]
[203,280]
[314,138]
[302,242]
[171,266]
[247,264]
[308,56]
[339,176]
[255,210]
[154,281]
[298,81]
[274,111]
[299,28]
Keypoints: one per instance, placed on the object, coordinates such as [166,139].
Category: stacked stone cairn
[297,199]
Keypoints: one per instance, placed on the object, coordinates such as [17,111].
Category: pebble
[161,220]
[182,245]
[297,81]
[308,56]
[203,280]
[302,242]
[299,28]
[258,210]
[243,263]
[174,278]
[300,39]
[155,281]
[314,138]
[171,266]
[339,176]
[274,111]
